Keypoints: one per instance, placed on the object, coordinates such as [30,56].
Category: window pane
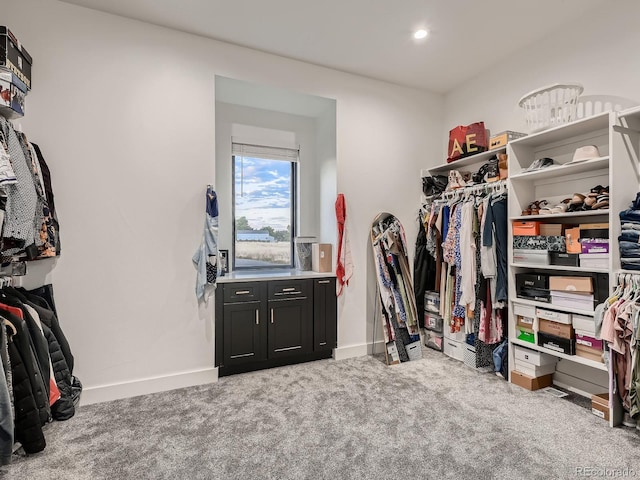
[263,212]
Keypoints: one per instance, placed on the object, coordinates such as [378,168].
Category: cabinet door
[325,314]
[290,327]
[243,338]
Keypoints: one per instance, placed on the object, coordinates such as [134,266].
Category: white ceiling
[368,37]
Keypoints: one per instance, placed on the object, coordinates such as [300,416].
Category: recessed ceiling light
[420,34]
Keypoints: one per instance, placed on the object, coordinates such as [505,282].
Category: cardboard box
[531,383]
[536,257]
[594,245]
[571,284]
[594,260]
[525,228]
[557,344]
[557,329]
[533,357]
[14,56]
[580,301]
[525,334]
[551,229]
[589,341]
[600,405]
[560,317]
[564,259]
[534,370]
[572,236]
[589,353]
[532,280]
[501,139]
[321,257]
[594,230]
[584,323]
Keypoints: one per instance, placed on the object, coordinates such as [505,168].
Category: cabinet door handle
[291,289]
[324,281]
[257,317]
[272,315]
[243,292]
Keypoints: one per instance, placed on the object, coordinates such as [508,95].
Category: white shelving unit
[549,306]
[612,133]
[471,161]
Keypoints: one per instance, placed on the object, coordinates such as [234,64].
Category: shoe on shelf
[562,207]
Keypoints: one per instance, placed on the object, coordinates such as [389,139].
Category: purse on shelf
[467,140]
[434,185]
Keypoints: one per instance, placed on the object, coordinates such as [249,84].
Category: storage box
[501,139]
[539,242]
[14,56]
[589,341]
[558,329]
[557,344]
[579,301]
[594,230]
[524,310]
[571,284]
[531,383]
[584,323]
[533,357]
[564,259]
[525,334]
[455,336]
[433,322]
[534,370]
[594,260]
[321,257]
[532,280]
[525,228]
[469,356]
[551,229]
[434,340]
[535,257]
[589,353]
[12,99]
[526,322]
[432,301]
[600,406]
[572,240]
[560,317]
[594,245]
[454,349]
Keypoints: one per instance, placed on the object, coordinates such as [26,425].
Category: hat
[587,152]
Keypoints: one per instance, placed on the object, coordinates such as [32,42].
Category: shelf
[550,306]
[464,162]
[566,169]
[572,358]
[630,112]
[563,132]
[589,213]
[560,267]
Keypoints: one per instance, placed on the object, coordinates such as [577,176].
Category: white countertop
[267,274]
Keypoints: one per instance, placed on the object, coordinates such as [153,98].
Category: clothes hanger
[11,326]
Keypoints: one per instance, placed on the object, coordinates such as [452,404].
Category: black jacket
[28,427]
[63,409]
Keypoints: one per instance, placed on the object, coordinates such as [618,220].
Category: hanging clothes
[344,265]
[206,257]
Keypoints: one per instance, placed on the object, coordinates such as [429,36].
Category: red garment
[344,268]
[14,310]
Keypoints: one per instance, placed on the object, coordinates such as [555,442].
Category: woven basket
[550,106]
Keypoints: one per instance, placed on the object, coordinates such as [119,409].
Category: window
[263,208]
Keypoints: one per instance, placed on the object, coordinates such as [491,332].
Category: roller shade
[264,151]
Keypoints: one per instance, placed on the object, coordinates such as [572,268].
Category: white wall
[598,50]
[326,158]
[125,115]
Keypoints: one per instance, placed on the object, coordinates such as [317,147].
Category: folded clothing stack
[629,239]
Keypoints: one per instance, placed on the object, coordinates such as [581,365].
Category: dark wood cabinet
[277,322]
[325,311]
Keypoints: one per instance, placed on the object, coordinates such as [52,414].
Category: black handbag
[434,185]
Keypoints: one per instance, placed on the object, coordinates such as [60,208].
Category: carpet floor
[351,419]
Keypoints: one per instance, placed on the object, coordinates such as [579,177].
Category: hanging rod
[481,187]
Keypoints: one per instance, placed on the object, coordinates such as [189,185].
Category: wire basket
[550,106]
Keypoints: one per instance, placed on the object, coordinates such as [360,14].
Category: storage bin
[531,383]
[414,351]
[550,106]
[558,329]
[456,336]
[432,301]
[557,344]
[600,405]
[584,323]
[433,322]
[534,370]
[589,341]
[454,349]
[525,335]
[571,284]
[534,257]
[526,228]
[434,340]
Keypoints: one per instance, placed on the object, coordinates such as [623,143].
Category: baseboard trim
[115,391]
[350,351]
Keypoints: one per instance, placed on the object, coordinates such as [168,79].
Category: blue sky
[263,193]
